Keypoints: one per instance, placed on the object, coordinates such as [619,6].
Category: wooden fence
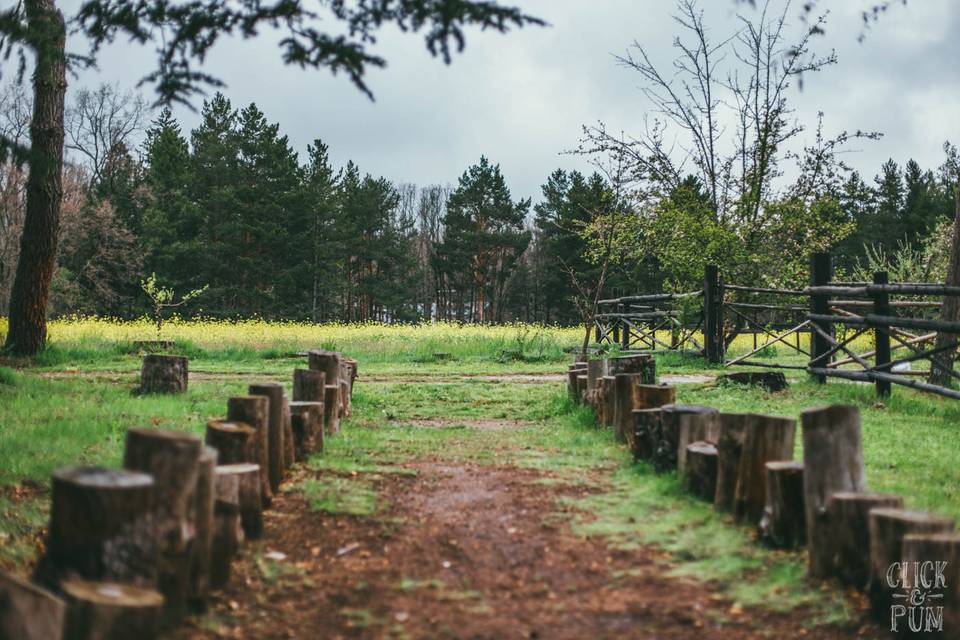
[822,323]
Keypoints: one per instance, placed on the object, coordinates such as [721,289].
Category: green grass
[335,495]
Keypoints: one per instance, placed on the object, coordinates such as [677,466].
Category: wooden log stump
[646,428]
[783,524]
[572,384]
[111,611]
[701,476]
[931,564]
[833,463]
[848,516]
[582,388]
[344,398]
[691,424]
[772,381]
[596,369]
[28,612]
[308,385]
[766,439]
[289,446]
[273,392]
[227,527]
[328,362]
[732,431]
[173,459]
[101,527]
[235,442]
[163,374]
[643,364]
[625,396]
[692,420]
[251,505]
[202,514]
[353,370]
[888,528]
[255,411]
[653,396]
[307,421]
[608,398]
[331,410]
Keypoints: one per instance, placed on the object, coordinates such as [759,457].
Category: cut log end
[28,612]
[108,610]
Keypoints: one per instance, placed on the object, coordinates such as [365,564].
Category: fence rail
[822,322]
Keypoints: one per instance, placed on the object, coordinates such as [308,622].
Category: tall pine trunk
[950,311]
[41,227]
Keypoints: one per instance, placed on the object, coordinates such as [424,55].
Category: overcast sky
[521,99]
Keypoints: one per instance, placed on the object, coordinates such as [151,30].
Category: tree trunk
[733,429]
[950,311]
[274,394]
[28,612]
[888,527]
[783,524]
[255,411]
[111,611]
[27,331]
[766,439]
[702,470]
[102,527]
[173,459]
[833,462]
[848,515]
[251,504]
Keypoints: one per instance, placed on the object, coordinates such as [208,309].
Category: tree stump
[624,402]
[848,516]
[608,400]
[691,423]
[833,462]
[701,476]
[227,527]
[596,369]
[203,501]
[255,411]
[28,612]
[582,388]
[306,419]
[173,459]
[732,430]
[888,528]
[111,611]
[694,420]
[235,442]
[331,410]
[274,394]
[344,398]
[766,439]
[772,381]
[654,396]
[308,385]
[163,374]
[642,364]
[783,524]
[251,505]
[923,555]
[101,527]
[646,428]
[572,373]
[289,446]
[328,362]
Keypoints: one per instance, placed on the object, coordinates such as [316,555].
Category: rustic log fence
[820,325]
[743,464]
[129,552]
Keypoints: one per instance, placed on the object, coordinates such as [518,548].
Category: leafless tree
[15,110]
[101,120]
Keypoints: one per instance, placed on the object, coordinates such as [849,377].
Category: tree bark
[766,439]
[27,332]
[275,427]
[227,527]
[164,374]
[203,501]
[702,470]
[848,515]
[942,548]
[733,429]
[235,442]
[693,421]
[28,612]
[308,385]
[783,524]
[251,504]
[331,409]
[950,311]
[255,411]
[646,427]
[307,423]
[833,462]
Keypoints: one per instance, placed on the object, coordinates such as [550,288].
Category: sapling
[163,298]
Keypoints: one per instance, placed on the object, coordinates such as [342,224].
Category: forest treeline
[231,206]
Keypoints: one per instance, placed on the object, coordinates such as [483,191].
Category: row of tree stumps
[907,561]
[131,551]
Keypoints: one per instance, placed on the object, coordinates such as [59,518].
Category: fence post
[625,344]
[881,307]
[821,273]
[713,315]
[616,324]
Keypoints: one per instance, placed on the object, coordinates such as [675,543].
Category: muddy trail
[458,550]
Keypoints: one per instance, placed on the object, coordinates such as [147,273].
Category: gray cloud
[521,99]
